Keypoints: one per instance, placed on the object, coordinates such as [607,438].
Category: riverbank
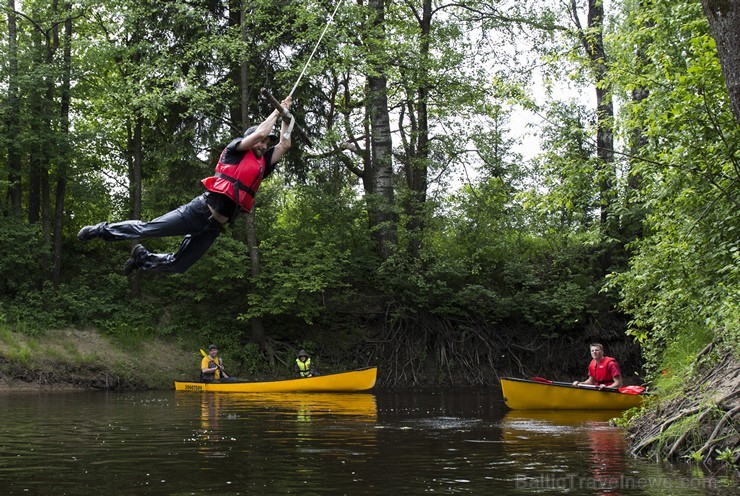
[72,359]
[694,419]
[695,414]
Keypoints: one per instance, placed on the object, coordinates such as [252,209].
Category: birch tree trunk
[382,198]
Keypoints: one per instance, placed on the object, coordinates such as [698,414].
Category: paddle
[202,352]
[623,389]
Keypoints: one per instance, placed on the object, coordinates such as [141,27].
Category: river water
[383,443]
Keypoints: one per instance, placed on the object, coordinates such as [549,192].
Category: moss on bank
[87,359]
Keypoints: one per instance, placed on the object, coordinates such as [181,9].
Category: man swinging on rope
[242,166]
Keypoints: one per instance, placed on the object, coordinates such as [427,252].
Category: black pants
[192,220]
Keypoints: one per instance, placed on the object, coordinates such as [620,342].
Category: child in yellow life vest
[303,365]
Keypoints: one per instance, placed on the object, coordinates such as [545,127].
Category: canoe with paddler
[342,382]
[543,394]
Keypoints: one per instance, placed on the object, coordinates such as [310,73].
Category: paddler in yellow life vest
[303,365]
[212,368]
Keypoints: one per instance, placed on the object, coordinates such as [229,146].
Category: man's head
[261,147]
[597,350]
[302,355]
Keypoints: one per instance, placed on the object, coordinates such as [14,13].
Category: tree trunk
[36,151]
[240,114]
[258,335]
[64,155]
[15,190]
[604,108]
[418,156]
[381,202]
[258,328]
[52,45]
[136,151]
[724,21]
[631,223]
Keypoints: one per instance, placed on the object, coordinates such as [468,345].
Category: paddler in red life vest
[242,166]
[603,371]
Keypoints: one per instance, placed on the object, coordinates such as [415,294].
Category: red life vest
[243,179]
[601,372]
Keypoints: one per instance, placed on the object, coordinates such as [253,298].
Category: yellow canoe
[343,382]
[524,394]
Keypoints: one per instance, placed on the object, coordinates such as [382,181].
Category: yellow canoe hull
[523,394]
[344,382]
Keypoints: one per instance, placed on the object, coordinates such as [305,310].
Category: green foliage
[128,335]
[6,335]
[305,255]
[22,353]
[684,277]
[687,427]
[494,262]
[253,360]
[677,361]
[25,259]
[728,456]
[566,172]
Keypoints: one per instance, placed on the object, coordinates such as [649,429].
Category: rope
[290,127]
[315,47]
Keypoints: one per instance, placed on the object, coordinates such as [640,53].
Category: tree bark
[258,328]
[258,335]
[13,116]
[724,21]
[382,199]
[594,45]
[61,188]
[418,157]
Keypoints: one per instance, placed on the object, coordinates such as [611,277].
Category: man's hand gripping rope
[286,116]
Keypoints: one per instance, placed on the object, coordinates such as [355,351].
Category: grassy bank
[87,359]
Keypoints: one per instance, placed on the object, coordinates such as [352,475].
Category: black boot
[137,260]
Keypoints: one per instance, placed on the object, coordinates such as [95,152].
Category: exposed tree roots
[698,423]
[428,350]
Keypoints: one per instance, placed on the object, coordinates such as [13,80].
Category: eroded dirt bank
[699,420]
[85,359]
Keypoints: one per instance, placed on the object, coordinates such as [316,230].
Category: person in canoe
[242,166]
[303,365]
[603,371]
[212,367]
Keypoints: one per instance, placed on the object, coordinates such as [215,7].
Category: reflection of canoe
[564,436]
[523,394]
[356,380]
[361,405]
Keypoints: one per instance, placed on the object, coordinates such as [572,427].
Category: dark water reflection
[462,442]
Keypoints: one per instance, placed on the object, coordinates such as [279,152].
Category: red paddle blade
[541,379]
[631,389]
